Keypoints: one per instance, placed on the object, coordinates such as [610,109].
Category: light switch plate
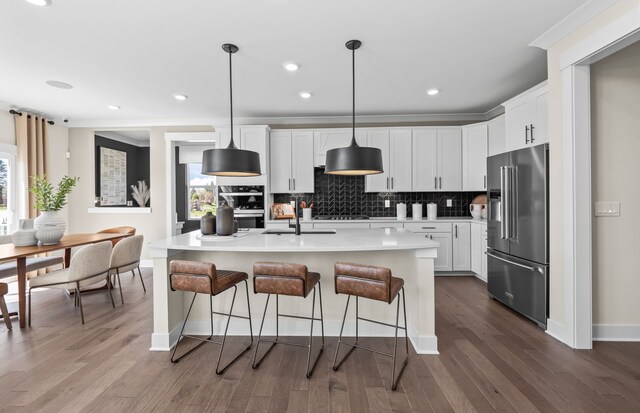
[449,203]
[607,209]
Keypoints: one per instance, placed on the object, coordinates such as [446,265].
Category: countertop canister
[416,211]
[401,211]
[432,210]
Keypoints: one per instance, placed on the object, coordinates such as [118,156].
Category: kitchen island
[409,255]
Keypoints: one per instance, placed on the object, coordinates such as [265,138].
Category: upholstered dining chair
[126,257]
[118,230]
[88,266]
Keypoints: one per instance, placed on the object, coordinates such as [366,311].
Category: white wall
[7,128]
[555,130]
[615,99]
[153,225]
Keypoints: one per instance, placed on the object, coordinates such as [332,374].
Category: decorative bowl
[49,235]
[24,238]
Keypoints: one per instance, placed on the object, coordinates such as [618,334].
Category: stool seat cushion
[367,281]
[203,277]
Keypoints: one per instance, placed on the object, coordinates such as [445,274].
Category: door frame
[577,328]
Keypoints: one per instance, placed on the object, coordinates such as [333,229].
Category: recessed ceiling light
[58,84]
[290,66]
[306,95]
[39,2]
[180,97]
[432,92]
[113,107]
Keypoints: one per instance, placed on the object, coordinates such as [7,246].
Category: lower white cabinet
[462,246]
[444,260]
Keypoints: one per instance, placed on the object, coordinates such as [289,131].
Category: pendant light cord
[232,145]
[353,94]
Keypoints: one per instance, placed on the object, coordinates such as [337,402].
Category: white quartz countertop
[343,240]
[385,219]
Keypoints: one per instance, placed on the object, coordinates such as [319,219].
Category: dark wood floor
[491,360]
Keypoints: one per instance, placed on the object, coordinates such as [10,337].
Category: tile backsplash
[344,195]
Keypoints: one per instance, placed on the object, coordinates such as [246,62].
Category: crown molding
[574,20]
[120,138]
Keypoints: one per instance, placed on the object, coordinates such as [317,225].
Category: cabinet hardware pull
[440,180]
[391,182]
[456,231]
[531,133]
[294,184]
[387,182]
[526,134]
[485,182]
[435,182]
[428,227]
[289,184]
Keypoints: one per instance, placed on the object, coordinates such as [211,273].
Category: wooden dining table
[20,254]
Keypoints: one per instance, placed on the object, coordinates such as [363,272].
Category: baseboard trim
[556,330]
[164,341]
[616,332]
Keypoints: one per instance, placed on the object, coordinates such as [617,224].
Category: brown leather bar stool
[204,278]
[287,279]
[375,283]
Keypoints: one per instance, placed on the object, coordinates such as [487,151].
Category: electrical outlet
[449,202]
[387,203]
[607,209]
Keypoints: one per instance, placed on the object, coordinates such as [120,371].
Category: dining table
[20,254]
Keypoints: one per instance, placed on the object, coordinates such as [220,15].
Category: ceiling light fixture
[305,95]
[290,66]
[180,97]
[230,161]
[58,84]
[432,92]
[354,159]
[113,107]
[39,2]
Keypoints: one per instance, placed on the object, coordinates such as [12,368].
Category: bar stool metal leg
[224,338]
[175,360]
[255,363]
[310,371]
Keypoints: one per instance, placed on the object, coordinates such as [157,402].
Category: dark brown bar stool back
[287,279]
[375,283]
[204,278]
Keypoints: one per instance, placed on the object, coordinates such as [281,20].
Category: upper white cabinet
[395,145]
[437,159]
[251,138]
[326,139]
[526,118]
[474,157]
[496,136]
[291,161]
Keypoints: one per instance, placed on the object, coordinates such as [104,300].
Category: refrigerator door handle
[503,200]
[526,267]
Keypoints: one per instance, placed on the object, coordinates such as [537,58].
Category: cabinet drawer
[428,226]
[385,225]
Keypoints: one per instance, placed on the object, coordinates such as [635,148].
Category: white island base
[409,256]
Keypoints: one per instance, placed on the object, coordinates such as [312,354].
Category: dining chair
[125,256]
[4,289]
[8,269]
[118,230]
[88,266]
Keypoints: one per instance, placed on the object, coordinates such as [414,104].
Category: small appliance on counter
[401,211]
[416,211]
[432,210]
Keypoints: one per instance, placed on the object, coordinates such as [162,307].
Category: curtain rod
[15,112]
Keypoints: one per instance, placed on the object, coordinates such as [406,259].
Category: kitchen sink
[291,232]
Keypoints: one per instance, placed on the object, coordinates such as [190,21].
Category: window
[7,188]
[201,192]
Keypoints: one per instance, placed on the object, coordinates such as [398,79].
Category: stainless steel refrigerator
[518,228]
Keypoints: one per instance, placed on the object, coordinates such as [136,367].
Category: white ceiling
[136,54]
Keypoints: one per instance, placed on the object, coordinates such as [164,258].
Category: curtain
[31,140]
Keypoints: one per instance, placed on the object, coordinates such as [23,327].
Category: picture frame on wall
[113,177]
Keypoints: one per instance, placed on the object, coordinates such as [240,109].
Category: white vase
[50,226]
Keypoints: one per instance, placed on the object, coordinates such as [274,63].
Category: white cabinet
[395,145]
[497,136]
[444,260]
[474,157]
[437,159]
[291,161]
[326,139]
[462,247]
[526,118]
[478,248]
[251,138]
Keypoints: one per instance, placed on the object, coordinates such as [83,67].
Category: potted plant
[49,201]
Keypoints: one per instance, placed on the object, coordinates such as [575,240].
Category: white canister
[401,211]
[416,211]
[306,214]
[432,210]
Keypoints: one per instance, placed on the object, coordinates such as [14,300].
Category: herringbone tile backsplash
[344,195]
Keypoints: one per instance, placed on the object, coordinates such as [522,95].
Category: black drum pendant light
[230,161]
[354,159]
